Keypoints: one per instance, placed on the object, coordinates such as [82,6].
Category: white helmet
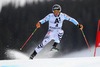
[56,7]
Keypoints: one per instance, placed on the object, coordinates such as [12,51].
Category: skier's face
[56,12]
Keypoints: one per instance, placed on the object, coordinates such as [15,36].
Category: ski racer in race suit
[55,31]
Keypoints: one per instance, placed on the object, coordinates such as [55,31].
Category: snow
[83,58]
[46,53]
[84,53]
[14,54]
[52,62]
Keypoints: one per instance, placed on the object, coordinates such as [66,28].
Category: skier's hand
[80,26]
[38,25]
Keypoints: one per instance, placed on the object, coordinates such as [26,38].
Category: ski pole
[85,40]
[28,39]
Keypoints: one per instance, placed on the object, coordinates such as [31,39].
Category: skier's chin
[56,15]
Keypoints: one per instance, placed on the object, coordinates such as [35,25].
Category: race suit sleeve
[45,19]
[66,17]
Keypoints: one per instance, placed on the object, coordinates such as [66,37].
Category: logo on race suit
[57,21]
[40,46]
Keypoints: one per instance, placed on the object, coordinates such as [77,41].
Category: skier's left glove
[80,26]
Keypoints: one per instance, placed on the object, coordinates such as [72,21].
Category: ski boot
[33,55]
[54,47]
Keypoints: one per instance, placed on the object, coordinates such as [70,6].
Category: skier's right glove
[38,25]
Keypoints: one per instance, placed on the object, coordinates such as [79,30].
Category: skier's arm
[38,25]
[66,17]
[45,19]
[74,21]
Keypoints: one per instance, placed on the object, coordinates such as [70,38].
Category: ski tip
[54,50]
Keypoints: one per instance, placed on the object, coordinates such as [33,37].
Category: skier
[55,31]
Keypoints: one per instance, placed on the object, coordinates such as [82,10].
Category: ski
[54,48]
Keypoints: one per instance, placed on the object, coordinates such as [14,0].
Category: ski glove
[80,26]
[38,25]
